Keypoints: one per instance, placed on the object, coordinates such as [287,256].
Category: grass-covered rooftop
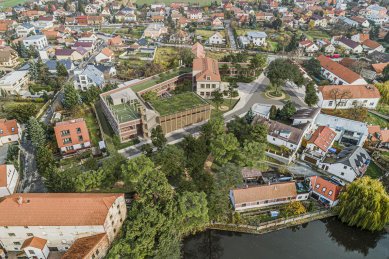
[177,103]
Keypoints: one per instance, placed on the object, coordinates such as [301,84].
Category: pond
[327,238]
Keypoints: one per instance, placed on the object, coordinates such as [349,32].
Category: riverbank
[274,225]
[320,239]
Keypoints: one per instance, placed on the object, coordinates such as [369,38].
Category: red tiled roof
[208,67]
[338,70]
[356,91]
[82,247]
[35,242]
[323,137]
[376,131]
[72,127]
[3,176]
[8,127]
[379,67]
[56,209]
[371,44]
[318,183]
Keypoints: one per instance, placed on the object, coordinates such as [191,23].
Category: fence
[274,224]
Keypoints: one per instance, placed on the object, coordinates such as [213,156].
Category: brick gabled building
[72,136]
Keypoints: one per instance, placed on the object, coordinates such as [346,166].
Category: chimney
[20,200]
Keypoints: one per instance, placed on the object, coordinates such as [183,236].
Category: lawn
[160,78]
[177,103]
[11,3]
[373,171]
[230,103]
[7,105]
[135,32]
[316,34]
[165,56]
[208,33]
[375,120]
[167,2]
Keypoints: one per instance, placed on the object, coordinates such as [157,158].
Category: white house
[258,38]
[325,190]
[9,178]
[348,132]
[308,46]
[24,29]
[60,218]
[377,14]
[91,9]
[338,74]
[10,131]
[265,195]
[348,96]
[207,77]
[35,248]
[106,55]
[349,45]
[351,163]
[216,39]
[37,41]
[88,77]
[370,46]
[13,82]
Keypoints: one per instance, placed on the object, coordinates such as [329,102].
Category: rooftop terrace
[177,103]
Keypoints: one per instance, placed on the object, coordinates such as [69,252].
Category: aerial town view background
[194,129]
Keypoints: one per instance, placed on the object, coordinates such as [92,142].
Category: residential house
[195,14]
[348,96]
[52,34]
[59,218]
[349,45]
[263,16]
[89,46]
[319,21]
[216,39]
[217,24]
[35,247]
[8,57]
[95,247]
[71,54]
[305,116]
[72,136]
[378,136]
[115,41]
[9,178]
[280,134]
[377,14]
[325,190]
[348,132]
[9,131]
[88,77]
[318,145]
[24,29]
[106,55]
[180,37]
[207,77]
[360,37]
[379,68]
[198,50]
[13,82]
[107,70]
[265,195]
[308,46]
[91,9]
[37,41]
[155,30]
[362,22]
[370,46]
[258,38]
[351,163]
[339,74]
[52,65]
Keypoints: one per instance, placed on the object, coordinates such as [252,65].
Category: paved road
[231,35]
[31,180]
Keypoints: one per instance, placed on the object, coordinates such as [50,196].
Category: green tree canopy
[158,137]
[364,204]
[72,98]
[36,133]
[224,148]
[288,110]
[313,67]
[311,97]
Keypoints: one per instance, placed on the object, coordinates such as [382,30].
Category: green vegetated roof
[177,103]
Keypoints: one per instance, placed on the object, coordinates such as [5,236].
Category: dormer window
[324,189]
[317,186]
[208,78]
[13,129]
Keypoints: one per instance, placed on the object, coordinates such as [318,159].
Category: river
[322,239]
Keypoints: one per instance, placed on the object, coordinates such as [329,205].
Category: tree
[384,90]
[45,161]
[90,95]
[313,67]
[71,98]
[294,208]
[217,98]
[171,160]
[258,133]
[90,180]
[385,72]
[311,97]
[61,70]
[288,110]
[147,149]
[293,44]
[150,96]
[224,148]
[281,70]
[33,71]
[186,56]
[273,112]
[253,155]
[21,112]
[133,170]
[338,95]
[213,128]
[311,25]
[258,62]
[158,137]
[36,133]
[249,116]
[364,204]
[276,24]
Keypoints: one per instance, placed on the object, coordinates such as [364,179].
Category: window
[78,130]
[324,189]
[330,103]
[25,226]
[65,132]
[345,167]
[317,186]
[31,252]
[274,139]
[30,234]
[67,140]
[97,251]
[341,173]
[329,193]
[11,234]
[80,138]
[17,243]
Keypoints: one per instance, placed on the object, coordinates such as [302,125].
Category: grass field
[373,171]
[10,3]
[89,116]
[313,35]
[167,2]
[177,103]
[208,33]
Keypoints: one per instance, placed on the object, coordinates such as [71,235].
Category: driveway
[231,35]
[31,181]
